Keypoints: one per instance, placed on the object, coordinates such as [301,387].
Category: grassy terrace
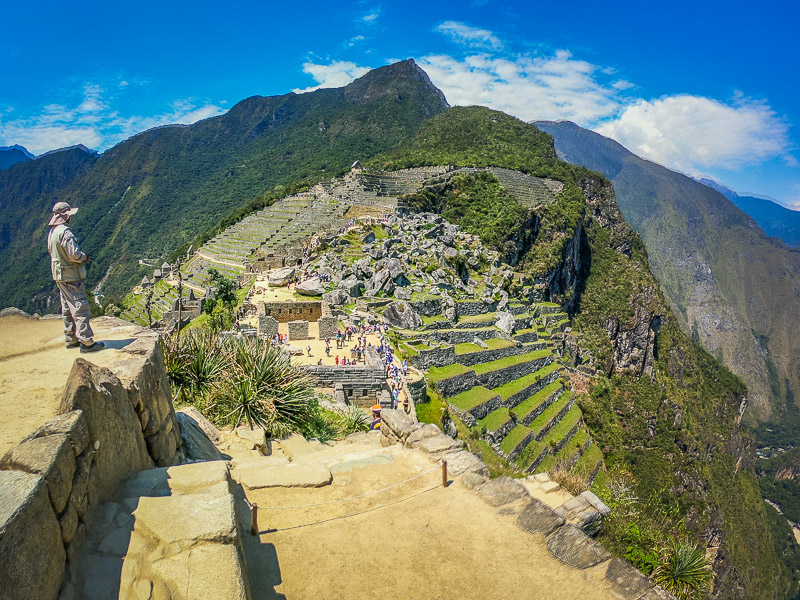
[471,398]
[569,452]
[512,387]
[434,319]
[587,463]
[495,419]
[531,452]
[483,318]
[540,422]
[439,373]
[514,438]
[530,404]
[510,361]
[492,344]
[558,432]
[529,330]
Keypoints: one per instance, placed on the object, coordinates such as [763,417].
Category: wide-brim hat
[62,210]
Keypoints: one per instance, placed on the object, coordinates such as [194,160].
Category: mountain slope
[11,155]
[665,404]
[776,220]
[158,190]
[734,288]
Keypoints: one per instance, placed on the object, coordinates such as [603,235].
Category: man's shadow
[261,559]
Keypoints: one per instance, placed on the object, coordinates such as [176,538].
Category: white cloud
[370,17]
[355,40]
[474,37]
[551,87]
[683,132]
[337,74]
[92,121]
[690,133]
[623,85]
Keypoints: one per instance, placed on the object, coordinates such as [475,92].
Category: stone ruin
[267,326]
[298,330]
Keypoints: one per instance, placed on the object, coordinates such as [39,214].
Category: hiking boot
[73,344]
[93,348]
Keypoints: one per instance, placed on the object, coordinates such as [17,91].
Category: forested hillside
[731,287]
[154,193]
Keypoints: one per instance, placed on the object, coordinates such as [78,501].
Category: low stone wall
[455,385]
[566,529]
[284,312]
[110,427]
[493,379]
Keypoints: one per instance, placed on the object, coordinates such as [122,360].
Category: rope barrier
[439,466]
[368,510]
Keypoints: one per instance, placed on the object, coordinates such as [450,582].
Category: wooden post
[444,473]
[254,519]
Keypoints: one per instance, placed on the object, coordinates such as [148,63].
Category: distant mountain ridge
[11,155]
[776,220]
[155,192]
[733,288]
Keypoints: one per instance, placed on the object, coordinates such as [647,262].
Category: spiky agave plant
[683,570]
[205,361]
[262,387]
[353,421]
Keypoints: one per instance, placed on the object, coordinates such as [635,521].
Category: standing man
[68,267]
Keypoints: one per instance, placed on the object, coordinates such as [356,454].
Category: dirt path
[418,540]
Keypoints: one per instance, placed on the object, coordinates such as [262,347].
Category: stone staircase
[172,533]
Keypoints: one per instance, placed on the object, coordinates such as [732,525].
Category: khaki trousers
[75,312]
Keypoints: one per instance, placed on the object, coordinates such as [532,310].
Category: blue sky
[707,88]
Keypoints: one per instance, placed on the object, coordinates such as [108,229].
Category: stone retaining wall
[474,308]
[110,426]
[493,379]
[530,417]
[474,358]
[418,390]
[474,414]
[434,357]
[462,336]
[529,391]
[557,419]
[455,385]
[427,308]
[530,336]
